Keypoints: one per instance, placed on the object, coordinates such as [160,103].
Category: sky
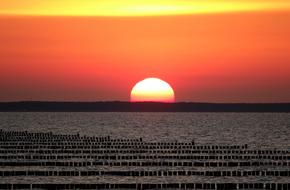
[85,50]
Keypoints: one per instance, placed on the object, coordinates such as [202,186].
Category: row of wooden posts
[136,146]
[146,163]
[142,157]
[130,151]
[228,173]
[137,186]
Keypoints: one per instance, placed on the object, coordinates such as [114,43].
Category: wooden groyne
[226,173]
[224,186]
[25,156]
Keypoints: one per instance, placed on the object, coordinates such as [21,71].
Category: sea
[259,131]
[256,129]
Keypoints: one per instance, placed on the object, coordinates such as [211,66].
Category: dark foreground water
[260,131]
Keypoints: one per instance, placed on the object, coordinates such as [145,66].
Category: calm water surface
[256,129]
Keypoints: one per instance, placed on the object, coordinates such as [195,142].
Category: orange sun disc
[152,90]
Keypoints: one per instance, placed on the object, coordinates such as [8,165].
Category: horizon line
[150,102]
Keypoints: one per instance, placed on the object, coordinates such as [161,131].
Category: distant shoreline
[116,106]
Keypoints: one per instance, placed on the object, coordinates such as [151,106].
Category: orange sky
[231,56]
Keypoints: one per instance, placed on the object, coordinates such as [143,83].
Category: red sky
[217,57]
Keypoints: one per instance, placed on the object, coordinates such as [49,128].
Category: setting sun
[152,90]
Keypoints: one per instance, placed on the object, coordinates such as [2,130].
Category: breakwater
[72,161]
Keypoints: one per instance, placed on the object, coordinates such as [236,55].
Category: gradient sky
[85,50]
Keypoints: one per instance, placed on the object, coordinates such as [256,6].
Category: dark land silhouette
[116,106]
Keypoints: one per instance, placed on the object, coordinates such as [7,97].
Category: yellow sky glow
[135,7]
